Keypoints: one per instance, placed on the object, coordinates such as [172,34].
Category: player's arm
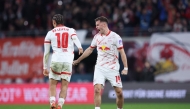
[119,45]
[123,58]
[77,43]
[47,43]
[86,53]
[46,54]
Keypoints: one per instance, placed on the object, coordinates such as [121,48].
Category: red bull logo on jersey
[104,48]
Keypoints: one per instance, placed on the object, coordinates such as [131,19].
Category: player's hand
[45,72]
[124,72]
[80,51]
[75,62]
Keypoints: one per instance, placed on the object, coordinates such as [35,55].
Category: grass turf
[107,106]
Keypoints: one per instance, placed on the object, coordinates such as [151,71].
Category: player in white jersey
[109,45]
[62,40]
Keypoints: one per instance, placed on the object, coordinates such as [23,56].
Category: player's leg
[115,80]
[97,95]
[63,93]
[52,91]
[119,99]
[65,79]
[99,81]
[54,76]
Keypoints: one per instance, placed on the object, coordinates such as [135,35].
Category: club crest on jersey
[104,48]
[120,42]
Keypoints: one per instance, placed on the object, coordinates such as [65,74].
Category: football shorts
[60,70]
[101,74]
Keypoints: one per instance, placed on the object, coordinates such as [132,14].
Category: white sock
[119,108]
[61,101]
[51,100]
[97,107]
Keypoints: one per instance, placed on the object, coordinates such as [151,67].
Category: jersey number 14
[62,40]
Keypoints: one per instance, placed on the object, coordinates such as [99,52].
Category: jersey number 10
[62,40]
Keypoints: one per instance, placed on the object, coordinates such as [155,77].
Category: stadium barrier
[39,93]
[82,93]
[150,92]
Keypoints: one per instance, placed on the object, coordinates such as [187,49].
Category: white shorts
[60,70]
[102,74]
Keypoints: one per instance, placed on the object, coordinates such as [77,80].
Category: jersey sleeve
[93,43]
[72,32]
[119,42]
[48,38]
[47,43]
[75,38]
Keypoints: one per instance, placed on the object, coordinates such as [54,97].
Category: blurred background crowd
[129,18]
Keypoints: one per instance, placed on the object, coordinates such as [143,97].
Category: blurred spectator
[36,79]
[2,35]
[21,15]
[184,25]
[167,27]
[19,81]
[81,68]
[7,81]
[148,72]
[187,12]
[156,26]
[177,27]
[138,74]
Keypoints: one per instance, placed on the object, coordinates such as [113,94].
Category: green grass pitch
[107,106]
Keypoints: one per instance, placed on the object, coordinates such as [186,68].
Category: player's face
[54,23]
[100,26]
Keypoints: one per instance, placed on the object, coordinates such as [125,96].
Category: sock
[97,107]
[52,100]
[119,108]
[61,101]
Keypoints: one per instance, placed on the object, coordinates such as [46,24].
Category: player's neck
[106,32]
[59,25]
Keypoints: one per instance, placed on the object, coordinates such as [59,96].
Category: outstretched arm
[124,60]
[86,53]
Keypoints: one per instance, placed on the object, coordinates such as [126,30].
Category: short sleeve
[119,42]
[93,43]
[48,37]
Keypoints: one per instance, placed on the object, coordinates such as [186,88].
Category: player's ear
[54,23]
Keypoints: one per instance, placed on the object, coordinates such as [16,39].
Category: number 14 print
[118,79]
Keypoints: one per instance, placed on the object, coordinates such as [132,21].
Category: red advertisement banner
[21,57]
[39,93]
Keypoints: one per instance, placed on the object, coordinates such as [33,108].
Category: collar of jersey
[60,26]
[107,34]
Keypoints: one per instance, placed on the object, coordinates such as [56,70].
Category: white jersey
[107,47]
[61,39]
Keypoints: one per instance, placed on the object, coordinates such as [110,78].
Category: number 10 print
[62,40]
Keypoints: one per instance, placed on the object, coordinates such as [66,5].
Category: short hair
[102,19]
[58,18]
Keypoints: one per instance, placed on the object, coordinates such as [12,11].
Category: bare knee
[119,94]
[97,90]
